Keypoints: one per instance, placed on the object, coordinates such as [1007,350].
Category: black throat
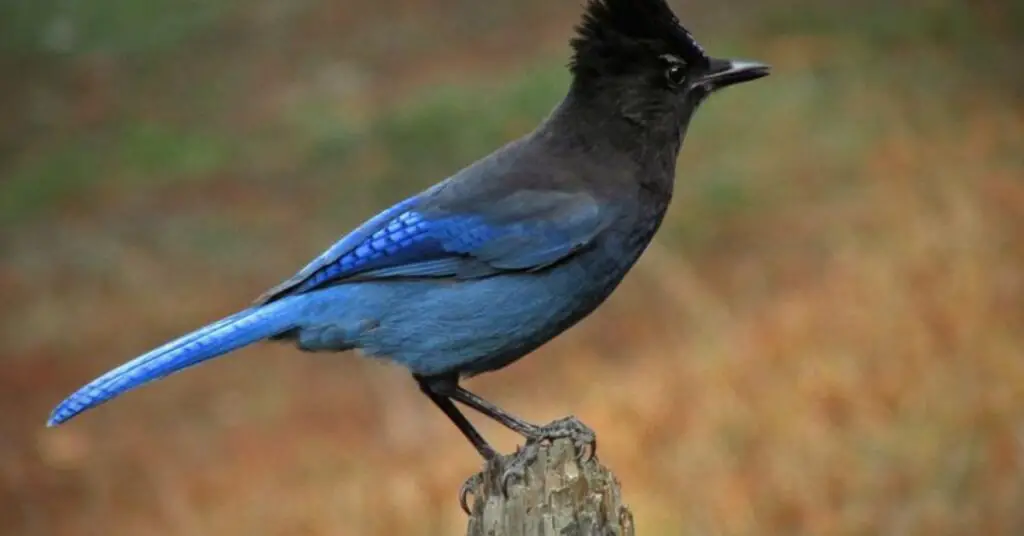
[593,122]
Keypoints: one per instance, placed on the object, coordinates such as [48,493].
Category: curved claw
[584,439]
[586,451]
[467,489]
[506,479]
[516,467]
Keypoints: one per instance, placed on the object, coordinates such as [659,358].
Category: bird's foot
[583,438]
[515,469]
[469,487]
[477,484]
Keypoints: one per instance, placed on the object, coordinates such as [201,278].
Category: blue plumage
[484,267]
[240,329]
[532,229]
[398,236]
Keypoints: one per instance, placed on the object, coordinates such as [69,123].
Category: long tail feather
[216,339]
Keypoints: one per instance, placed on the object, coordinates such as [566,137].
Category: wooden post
[560,496]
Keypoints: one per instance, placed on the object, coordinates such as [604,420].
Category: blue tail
[231,333]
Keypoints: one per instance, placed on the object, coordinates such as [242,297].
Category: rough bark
[559,496]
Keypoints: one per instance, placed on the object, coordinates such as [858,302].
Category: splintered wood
[558,496]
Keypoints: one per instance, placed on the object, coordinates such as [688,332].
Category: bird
[479,270]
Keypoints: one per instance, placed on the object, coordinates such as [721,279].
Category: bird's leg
[443,390]
[443,401]
[523,428]
[569,427]
[438,393]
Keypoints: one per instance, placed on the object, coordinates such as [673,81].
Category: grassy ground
[826,338]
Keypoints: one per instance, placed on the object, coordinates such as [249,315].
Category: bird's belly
[464,327]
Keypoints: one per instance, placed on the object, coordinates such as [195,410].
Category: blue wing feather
[343,247]
[528,231]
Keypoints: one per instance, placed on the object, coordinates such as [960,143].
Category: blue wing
[425,236]
[527,230]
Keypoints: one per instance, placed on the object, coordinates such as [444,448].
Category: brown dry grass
[839,360]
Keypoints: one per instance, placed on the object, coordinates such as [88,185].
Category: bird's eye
[676,75]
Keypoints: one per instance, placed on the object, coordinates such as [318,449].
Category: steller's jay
[484,267]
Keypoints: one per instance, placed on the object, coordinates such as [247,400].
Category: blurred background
[827,337]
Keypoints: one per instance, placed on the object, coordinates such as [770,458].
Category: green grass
[122,27]
[135,155]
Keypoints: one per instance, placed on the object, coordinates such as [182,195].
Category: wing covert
[525,231]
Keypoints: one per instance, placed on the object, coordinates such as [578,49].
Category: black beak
[722,73]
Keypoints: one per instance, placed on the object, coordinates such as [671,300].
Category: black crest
[617,31]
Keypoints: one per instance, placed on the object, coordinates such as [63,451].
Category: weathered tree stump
[559,496]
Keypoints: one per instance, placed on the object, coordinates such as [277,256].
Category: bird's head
[635,57]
